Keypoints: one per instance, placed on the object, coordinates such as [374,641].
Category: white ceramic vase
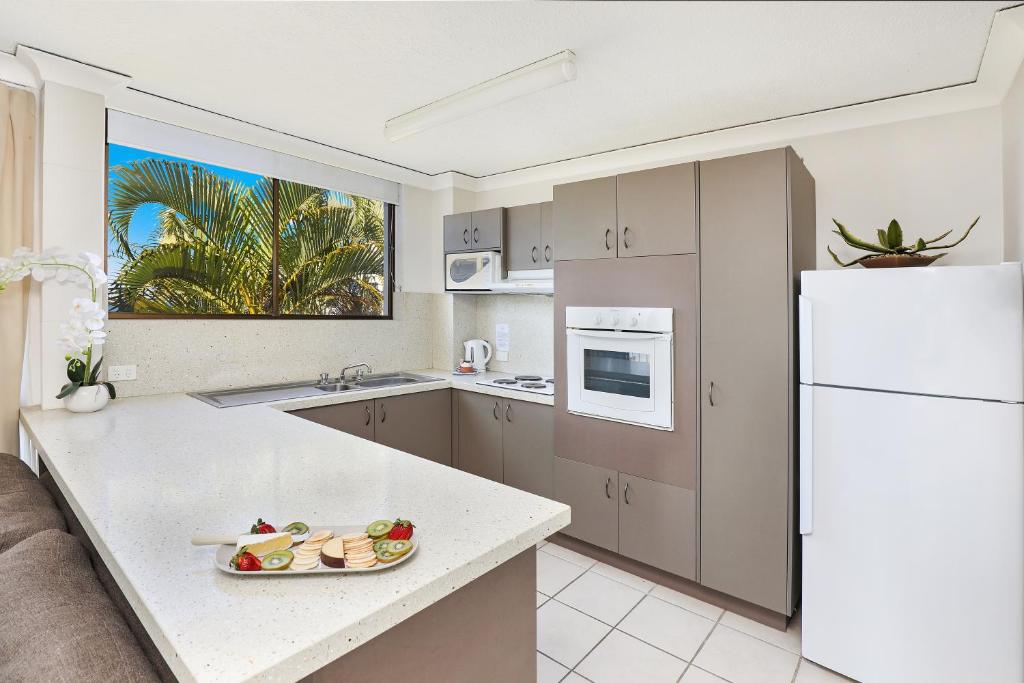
[87,399]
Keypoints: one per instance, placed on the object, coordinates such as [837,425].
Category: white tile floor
[600,624]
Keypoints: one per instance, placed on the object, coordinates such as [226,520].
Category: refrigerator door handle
[806,460]
[805,315]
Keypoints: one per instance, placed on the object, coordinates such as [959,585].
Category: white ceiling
[334,72]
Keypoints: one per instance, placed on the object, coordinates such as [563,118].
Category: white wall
[1013,169]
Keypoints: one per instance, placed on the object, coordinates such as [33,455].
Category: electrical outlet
[121,373]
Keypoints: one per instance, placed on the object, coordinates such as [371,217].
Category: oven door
[474,271]
[621,376]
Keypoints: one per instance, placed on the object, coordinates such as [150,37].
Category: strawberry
[261,527]
[401,531]
[244,561]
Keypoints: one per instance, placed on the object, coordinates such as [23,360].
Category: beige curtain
[17,202]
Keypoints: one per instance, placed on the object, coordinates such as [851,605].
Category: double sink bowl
[230,398]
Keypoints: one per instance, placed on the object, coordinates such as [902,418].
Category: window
[192,239]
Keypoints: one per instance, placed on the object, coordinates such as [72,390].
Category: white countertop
[147,473]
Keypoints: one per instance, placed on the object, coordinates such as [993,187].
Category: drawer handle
[476,234]
[533,254]
[711,394]
[625,493]
[508,412]
[607,234]
[367,409]
[383,414]
[547,253]
[465,235]
[607,492]
[495,411]
[625,237]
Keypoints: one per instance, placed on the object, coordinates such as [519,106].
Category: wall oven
[476,270]
[619,364]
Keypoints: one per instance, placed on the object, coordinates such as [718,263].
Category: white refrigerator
[912,473]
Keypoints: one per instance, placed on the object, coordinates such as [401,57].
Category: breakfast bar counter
[146,474]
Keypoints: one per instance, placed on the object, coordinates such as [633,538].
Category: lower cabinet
[417,423]
[506,440]
[645,520]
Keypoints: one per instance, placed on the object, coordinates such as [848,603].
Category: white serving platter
[226,552]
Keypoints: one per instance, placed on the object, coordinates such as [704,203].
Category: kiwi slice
[277,560]
[380,545]
[385,556]
[400,547]
[379,528]
[297,528]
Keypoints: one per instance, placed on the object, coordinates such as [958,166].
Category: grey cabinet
[528,446]
[585,220]
[657,211]
[417,423]
[646,213]
[458,232]
[480,435]
[523,248]
[488,228]
[657,525]
[547,235]
[592,493]
[746,371]
[353,418]
[474,231]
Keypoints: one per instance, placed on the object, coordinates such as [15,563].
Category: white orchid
[84,330]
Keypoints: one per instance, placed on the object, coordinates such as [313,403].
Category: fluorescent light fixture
[557,68]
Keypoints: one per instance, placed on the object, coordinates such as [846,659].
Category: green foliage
[890,241]
[215,250]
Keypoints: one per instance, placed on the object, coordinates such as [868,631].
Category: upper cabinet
[474,231]
[528,237]
[646,213]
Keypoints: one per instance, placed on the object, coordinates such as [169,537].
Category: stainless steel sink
[229,398]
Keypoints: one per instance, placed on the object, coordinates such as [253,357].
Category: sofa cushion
[57,623]
[13,468]
[26,508]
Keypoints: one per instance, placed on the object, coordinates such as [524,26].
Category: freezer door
[945,331]
[913,567]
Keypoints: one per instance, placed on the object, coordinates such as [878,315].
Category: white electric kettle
[478,352]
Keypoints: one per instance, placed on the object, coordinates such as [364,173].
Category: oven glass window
[617,372]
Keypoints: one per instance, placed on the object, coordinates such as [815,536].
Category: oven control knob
[598,319]
[634,321]
[615,319]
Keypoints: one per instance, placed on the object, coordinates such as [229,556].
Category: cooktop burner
[534,385]
[505,381]
[529,378]
[550,380]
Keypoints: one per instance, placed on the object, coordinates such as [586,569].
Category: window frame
[390,215]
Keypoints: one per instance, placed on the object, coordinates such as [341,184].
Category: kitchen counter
[147,473]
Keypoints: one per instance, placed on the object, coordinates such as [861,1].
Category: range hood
[526,282]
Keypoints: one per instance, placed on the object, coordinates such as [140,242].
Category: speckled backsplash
[200,355]
[530,319]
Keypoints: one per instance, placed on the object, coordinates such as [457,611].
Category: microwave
[473,271]
[619,364]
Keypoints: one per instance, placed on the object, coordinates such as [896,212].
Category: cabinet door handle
[495,411]
[711,394]
[508,412]
[367,409]
[625,237]
[625,493]
[476,234]
[383,414]
[547,253]
[465,235]
[533,254]
[607,491]
[607,234]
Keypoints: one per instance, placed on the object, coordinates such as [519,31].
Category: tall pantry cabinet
[757,232]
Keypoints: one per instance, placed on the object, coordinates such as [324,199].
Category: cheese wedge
[261,544]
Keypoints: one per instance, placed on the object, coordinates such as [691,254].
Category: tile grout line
[700,647]
[766,642]
[796,672]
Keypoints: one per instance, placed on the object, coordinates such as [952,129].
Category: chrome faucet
[359,373]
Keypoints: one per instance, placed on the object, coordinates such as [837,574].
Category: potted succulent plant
[83,334]
[890,251]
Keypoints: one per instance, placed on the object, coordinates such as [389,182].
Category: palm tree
[214,249]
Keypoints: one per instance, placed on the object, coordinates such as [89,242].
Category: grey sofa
[57,621]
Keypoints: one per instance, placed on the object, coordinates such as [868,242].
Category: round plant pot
[898,261]
[87,399]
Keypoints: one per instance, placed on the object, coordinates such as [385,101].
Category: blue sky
[144,223]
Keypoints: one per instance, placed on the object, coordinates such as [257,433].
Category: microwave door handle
[602,334]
